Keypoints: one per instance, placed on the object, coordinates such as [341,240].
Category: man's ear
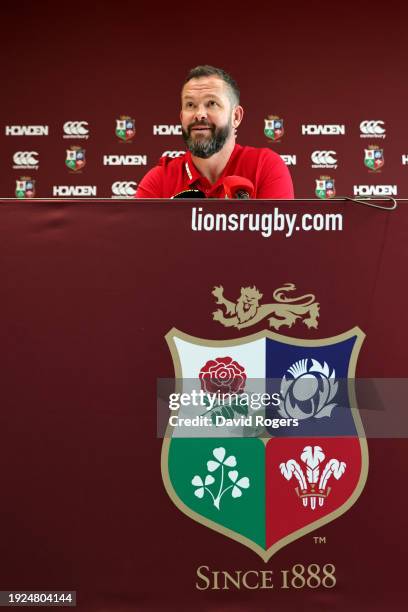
[237,115]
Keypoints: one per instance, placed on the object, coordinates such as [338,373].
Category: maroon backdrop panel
[313,66]
[88,293]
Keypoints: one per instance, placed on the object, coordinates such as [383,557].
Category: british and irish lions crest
[325,188]
[245,475]
[125,128]
[75,159]
[25,187]
[374,158]
[274,128]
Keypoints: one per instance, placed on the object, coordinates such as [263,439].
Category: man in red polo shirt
[210,115]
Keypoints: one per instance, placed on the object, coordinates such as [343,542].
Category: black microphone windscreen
[190,194]
[242,195]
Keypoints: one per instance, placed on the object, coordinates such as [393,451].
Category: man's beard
[205,147]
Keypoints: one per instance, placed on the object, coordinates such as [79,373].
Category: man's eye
[212,103]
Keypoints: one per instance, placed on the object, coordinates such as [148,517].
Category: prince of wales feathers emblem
[262,485]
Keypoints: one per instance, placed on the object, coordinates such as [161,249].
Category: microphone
[189,193]
[238,188]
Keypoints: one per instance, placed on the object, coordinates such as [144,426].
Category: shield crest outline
[374,159]
[71,159]
[21,190]
[267,553]
[321,190]
[270,129]
[121,130]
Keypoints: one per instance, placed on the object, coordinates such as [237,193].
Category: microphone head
[238,188]
[189,194]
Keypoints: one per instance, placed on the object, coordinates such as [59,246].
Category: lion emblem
[247,311]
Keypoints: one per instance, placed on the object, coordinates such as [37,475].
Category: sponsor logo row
[373,159]
[25,188]
[274,129]
[324,189]
[125,130]
[75,159]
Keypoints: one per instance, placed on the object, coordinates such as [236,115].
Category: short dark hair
[206,70]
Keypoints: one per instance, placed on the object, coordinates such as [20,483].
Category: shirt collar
[194,176]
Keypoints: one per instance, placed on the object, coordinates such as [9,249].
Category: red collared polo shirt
[263,167]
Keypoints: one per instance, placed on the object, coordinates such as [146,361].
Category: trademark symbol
[319,540]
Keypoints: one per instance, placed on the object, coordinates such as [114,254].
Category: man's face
[206,115]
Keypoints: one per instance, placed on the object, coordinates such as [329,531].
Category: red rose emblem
[222,374]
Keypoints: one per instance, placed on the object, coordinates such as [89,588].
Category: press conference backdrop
[91,100]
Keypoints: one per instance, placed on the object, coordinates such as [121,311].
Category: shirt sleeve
[151,185]
[274,178]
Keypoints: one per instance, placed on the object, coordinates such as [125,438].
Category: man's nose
[201,112]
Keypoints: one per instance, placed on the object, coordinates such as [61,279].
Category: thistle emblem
[310,392]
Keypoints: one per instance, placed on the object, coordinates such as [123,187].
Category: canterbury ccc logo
[76,128]
[124,188]
[173,154]
[372,127]
[25,158]
[323,157]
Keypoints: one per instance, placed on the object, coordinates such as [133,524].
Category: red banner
[89,291]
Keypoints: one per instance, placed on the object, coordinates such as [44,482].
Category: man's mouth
[201,128]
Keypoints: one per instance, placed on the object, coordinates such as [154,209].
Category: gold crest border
[266,554]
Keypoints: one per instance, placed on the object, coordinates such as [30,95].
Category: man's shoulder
[272,177]
[259,153]
[167,171]
[167,164]
[171,162]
